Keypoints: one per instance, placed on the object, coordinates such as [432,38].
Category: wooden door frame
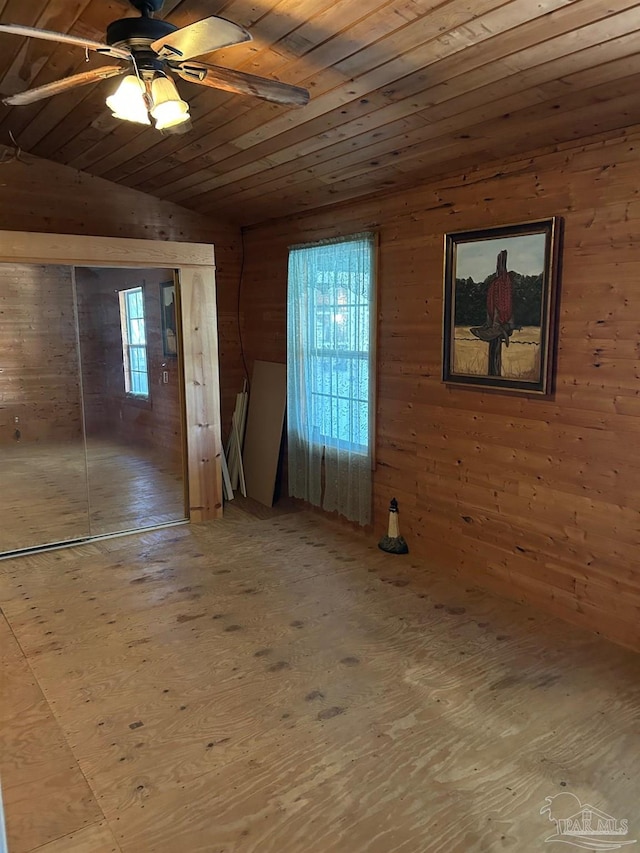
[195,266]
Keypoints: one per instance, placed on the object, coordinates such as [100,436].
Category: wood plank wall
[536,499]
[41,196]
[155,423]
[39,381]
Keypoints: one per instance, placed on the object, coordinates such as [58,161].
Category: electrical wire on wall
[244,361]
[15,156]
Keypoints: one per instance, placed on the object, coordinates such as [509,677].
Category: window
[134,343]
[339,359]
[330,339]
[331,365]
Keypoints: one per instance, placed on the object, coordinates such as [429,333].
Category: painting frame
[488,308]
[169,317]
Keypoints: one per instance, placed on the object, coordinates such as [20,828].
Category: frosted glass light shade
[168,108]
[127,102]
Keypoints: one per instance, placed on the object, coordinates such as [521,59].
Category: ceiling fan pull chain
[146,95]
[137,70]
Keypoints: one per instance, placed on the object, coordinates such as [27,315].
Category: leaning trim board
[195,265]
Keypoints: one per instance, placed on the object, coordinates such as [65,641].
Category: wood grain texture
[536,499]
[277,684]
[97,838]
[36,764]
[155,423]
[39,196]
[263,436]
[84,251]
[40,397]
[401,90]
[202,391]
[44,495]
[54,492]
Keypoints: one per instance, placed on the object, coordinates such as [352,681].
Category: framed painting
[500,294]
[169,322]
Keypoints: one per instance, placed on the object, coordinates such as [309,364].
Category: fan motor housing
[137,31]
[147,7]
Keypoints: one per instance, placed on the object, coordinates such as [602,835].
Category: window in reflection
[134,343]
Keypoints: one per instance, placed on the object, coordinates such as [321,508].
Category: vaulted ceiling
[401,90]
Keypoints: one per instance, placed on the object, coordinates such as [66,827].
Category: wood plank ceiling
[401,90]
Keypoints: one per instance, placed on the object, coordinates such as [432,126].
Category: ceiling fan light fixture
[168,110]
[155,47]
[128,101]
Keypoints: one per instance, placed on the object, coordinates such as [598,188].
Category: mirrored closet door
[43,484]
[91,408]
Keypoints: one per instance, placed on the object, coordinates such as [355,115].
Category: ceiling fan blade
[58,86]
[200,37]
[242,83]
[65,38]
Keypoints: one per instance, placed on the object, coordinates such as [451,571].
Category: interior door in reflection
[43,485]
[132,397]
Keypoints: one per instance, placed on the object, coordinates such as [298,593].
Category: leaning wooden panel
[267,403]
[202,391]
[100,251]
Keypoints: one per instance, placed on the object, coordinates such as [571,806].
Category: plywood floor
[278,685]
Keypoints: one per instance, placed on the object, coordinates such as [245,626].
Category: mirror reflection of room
[43,498]
[131,389]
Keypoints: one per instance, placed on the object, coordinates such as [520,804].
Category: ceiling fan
[154,50]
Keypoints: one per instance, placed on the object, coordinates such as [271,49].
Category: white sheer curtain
[331,374]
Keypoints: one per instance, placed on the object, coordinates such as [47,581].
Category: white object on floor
[4,847]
